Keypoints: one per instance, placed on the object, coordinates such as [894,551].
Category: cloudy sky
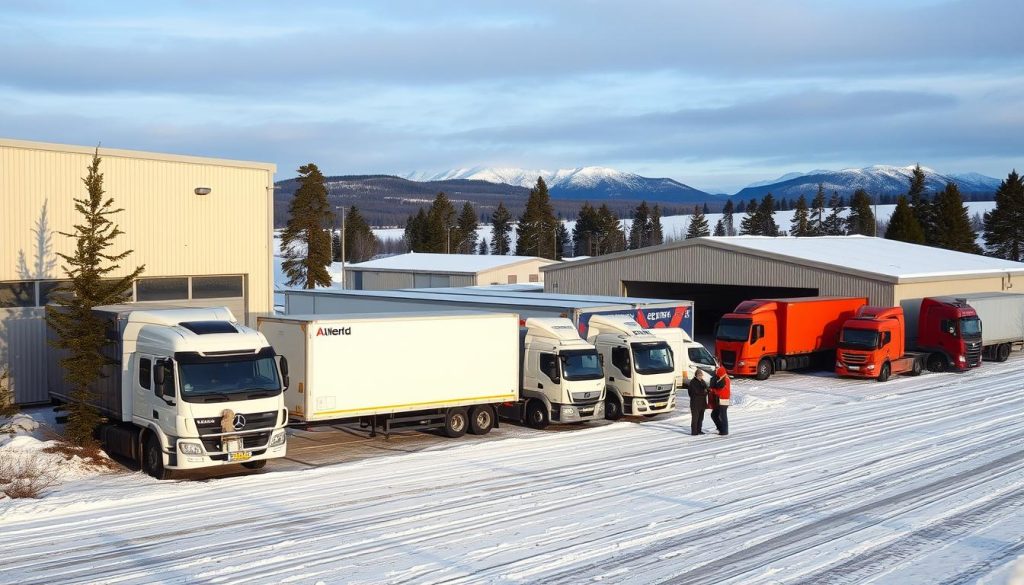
[715,94]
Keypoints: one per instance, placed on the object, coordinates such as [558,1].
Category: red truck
[873,345]
[948,329]
[763,336]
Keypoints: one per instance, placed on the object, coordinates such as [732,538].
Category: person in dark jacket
[720,393]
[698,391]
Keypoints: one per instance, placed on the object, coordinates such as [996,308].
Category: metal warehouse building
[442,270]
[201,226]
[719,272]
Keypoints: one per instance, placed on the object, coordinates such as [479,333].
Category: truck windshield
[970,327]
[701,356]
[733,330]
[652,358]
[581,365]
[230,377]
[858,339]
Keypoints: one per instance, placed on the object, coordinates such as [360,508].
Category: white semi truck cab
[689,355]
[639,371]
[189,388]
[562,379]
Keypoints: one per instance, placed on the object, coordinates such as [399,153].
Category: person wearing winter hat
[698,391]
[719,400]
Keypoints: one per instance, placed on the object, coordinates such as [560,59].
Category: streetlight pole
[342,208]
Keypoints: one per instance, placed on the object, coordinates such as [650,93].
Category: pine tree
[707,209]
[657,237]
[464,235]
[482,249]
[953,225]
[640,229]
[1004,225]
[79,332]
[764,221]
[564,240]
[817,217]
[586,232]
[360,243]
[720,227]
[924,211]
[834,225]
[7,406]
[727,221]
[698,224]
[306,239]
[501,228]
[748,225]
[416,232]
[440,225]
[537,230]
[903,225]
[800,225]
[861,219]
[611,237]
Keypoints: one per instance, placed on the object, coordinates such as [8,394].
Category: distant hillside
[387,200]
[880,180]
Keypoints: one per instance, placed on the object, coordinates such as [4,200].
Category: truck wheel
[481,420]
[456,422]
[883,374]
[936,362]
[764,369]
[915,370]
[153,459]
[537,415]
[255,464]
[1003,353]
[612,408]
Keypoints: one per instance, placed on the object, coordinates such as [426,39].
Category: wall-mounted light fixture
[203,190]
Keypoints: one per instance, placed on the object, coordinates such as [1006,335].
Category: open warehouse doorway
[711,301]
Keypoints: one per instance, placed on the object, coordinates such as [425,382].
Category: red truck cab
[873,345]
[949,330]
[740,340]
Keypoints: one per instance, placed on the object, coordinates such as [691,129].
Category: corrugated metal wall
[23,346]
[699,264]
[171,230]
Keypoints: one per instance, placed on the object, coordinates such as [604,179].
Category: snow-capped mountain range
[594,183]
[876,180]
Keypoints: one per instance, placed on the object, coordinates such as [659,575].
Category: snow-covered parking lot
[918,480]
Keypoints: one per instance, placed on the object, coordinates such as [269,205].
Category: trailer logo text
[329,331]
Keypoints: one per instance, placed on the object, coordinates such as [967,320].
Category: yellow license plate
[239,456]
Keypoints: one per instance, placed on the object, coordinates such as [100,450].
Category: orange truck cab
[873,345]
[763,336]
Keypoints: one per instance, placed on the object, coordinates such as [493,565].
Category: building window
[17,294]
[534,278]
[161,289]
[216,287]
[512,279]
[50,290]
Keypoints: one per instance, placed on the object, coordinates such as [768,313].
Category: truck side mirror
[284,373]
[553,373]
[163,376]
[158,376]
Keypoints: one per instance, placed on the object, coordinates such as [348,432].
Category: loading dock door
[711,301]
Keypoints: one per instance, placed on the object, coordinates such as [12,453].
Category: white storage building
[414,270]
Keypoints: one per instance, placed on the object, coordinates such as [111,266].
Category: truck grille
[973,353]
[213,444]
[658,393]
[253,421]
[581,398]
[852,358]
[728,359]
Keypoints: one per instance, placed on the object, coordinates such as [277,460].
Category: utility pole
[342,208]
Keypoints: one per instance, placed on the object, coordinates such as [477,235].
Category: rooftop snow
[413,262]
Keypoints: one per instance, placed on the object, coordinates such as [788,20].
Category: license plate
[239,456]
[853,368]
[657,405]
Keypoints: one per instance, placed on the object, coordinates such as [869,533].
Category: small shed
[415,270]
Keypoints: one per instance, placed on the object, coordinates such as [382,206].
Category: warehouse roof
[450,263]
[888,260]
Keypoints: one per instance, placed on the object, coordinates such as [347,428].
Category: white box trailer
[437,370]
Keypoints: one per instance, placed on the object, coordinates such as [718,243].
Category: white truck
[189,388]
[689,355]
[445,371]
[561,378]
[638,366]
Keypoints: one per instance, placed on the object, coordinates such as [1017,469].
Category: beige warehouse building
[416,270]
[201,226]
[719,272]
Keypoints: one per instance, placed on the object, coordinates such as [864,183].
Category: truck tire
[1003,353]
[456,421]
[537,416]
[612,408]
[936,362]
[481,420]
[884,373]
[764,369]
[153,459]
[255,464]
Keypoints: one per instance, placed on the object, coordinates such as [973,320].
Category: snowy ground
[918,480]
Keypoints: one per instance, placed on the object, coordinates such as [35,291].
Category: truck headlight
[741,364]
[190,448]
[568,411]
[871,366]
[839,364]
[278,439]
[599,409]
[961,358]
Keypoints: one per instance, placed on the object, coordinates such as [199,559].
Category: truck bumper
[644,405]
[746,369]
[574,413]
[856,371]
[185,457]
